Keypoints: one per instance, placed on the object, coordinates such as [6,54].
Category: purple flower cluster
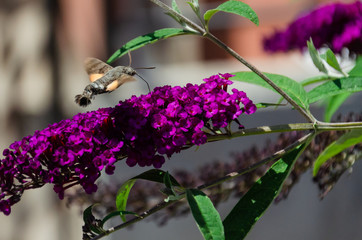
[142,129]
[335,25]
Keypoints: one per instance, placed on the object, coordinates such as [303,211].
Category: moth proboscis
[104,79]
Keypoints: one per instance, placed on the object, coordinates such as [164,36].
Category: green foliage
[115,214]
[88,219]
[154,175]
[207,218]
[194,4]
[316,79]
[122,196]
[290,86]
[316,58]
[146,39]
[331,59]
[254,203]
[347,140]
[333,104]
[357,69]
[176,9]
[335,87]
[235,7]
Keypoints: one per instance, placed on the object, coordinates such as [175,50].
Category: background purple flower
[336,25]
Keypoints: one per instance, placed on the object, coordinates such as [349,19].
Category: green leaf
[317,60]
[236,7]
[169,190]
[116,214]
[175,6]
[345,141]
[331,59]
[207,218]
[316,79]
[88,219]
[149,38]
[335,87]
[194,4]
[357,69]
[154,175]
[176,18]
[265,105]
[122,196]
[254,203]
[291,87]
[333,104]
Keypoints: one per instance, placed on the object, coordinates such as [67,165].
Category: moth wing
[119,81]
[96,68]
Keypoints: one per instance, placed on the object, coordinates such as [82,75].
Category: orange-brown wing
[96,68]
[119,81]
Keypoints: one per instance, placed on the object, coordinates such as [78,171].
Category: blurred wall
[42,47]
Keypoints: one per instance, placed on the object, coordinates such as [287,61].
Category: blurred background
[42,48]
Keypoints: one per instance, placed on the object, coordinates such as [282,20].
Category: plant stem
[320,126]
[218,42]
[222,45]
[227,177]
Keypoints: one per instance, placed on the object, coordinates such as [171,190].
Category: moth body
[104,79]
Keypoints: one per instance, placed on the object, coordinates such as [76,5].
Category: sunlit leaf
[194,4]
[291,87]
[122,196]
[357,69]
[317,60]
[254,203]
[333,104]
[235,7]
[149,38]
[332,61]
[206,216]
[317,79]
[154,175]
[335,87]
[347,140]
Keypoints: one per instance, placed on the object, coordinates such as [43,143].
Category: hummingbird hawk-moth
[104,79]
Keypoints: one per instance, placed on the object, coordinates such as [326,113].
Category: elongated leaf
[154,175]
[122,196]
[175,6]
[291,87]
[357,69]
[347,140]
[88,219]
[236,7]
[149,38]
[254,203]
[333,104]
[194,4]
[265,105]
[207,218]
[317,60]
[331,59]
[335,87]
[317,79]
[116,214]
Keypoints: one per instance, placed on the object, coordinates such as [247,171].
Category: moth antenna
[145,68]
[149,89]
[130,58]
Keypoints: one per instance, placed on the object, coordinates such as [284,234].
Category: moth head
[130,71]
